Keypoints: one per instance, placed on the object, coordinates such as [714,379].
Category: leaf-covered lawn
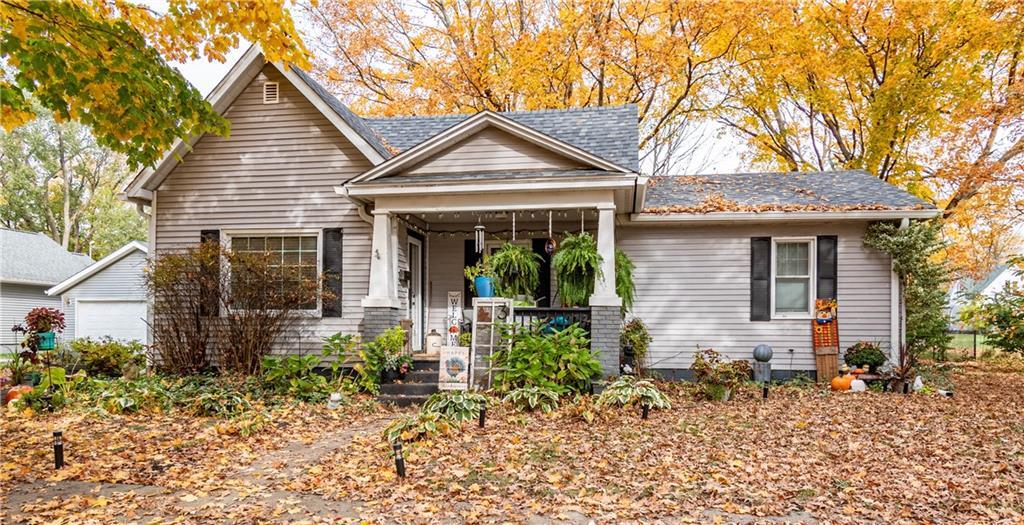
[845,458]
[841,458]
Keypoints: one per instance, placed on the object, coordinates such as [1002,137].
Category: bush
[1002,318]
[385,352]
[558,360]
[456,406]
[716,375]
[630,391]
[296,376]
[533,397]
[635,335]
[865,353]
[108,357]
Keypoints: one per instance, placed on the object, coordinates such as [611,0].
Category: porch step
[421,376]
[425,362]
[408,389]
[402,400]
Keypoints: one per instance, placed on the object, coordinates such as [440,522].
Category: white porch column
[604,287]
[383,290]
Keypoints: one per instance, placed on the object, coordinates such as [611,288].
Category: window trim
[225,240]
[812,270]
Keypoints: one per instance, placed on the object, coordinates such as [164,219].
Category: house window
[297,255]
[793,276]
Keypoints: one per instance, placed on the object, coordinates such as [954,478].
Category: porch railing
[553,318]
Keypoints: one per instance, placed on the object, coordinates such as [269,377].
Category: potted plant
[481,278]
[717,376]
[42,323]
[577,264]
[517,270]
[863,354]
[384,359]
[395,367]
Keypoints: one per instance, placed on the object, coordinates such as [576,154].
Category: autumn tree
[103,63]
[399,57]
[55,179]
[925,95]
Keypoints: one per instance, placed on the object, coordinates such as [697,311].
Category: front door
[415,254]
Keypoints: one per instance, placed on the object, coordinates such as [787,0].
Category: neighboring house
[29,264]
[961,291]
[391,205]
[108,298]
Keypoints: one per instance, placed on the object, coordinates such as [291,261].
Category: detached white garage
[108,299]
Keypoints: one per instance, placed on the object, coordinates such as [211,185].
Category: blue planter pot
[484,286]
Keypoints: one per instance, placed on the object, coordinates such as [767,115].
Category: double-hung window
[793,277]
[297,256]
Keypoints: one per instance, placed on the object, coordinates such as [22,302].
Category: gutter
[361,206]
[728,217]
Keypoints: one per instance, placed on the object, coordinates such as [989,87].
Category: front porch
[422,243]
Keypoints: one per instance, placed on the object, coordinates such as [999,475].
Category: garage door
[124,320]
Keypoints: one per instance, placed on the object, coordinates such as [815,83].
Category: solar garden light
[764,391]
[58,450]
[645,410]
[483,417]
[399,460]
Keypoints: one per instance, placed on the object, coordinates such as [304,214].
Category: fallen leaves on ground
[845,458]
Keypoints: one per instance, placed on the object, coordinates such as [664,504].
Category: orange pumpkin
[858,371]
[16,392]
[842,382]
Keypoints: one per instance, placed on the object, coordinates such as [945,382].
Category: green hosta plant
[576,265]
[630,391]
[559,360]
[517,269]
[414,428]
[532,398]
[456,406]
[296,376]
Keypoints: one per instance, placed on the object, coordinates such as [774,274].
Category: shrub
[865,353]
[635,335]
[385,352]
[533,397]
[338,349]
[517,269]
[296,376]
[716,375]
[456,406]
[416,427]
[630,391]
[108,357]
[1002,318]
[559,360]
[185,286]
[576,265]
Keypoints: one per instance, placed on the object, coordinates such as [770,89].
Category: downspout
[361,207]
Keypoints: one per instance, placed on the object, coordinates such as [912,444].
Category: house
[391,205]
[107,298]
[29,264]
[961,291]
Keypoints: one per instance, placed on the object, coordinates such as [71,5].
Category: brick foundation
[378,319]
[605,327]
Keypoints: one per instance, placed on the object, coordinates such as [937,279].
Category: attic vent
[270,92]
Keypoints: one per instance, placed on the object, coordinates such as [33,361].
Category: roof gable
[98,267]
[241,75]
[470,127]
[609,132]
[34,258]
[492,149]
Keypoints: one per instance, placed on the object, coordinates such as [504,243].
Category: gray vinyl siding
[15,301]
[693,289]
[493,150]
[121,280]
[276,171]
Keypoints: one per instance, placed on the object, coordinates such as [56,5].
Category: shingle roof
[490,175]
[788,191]
[609,132]
[35,258]
[350,118]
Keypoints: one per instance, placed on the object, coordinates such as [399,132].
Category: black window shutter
[760,278]
[828,262]
[211,236]
[470,259]
[332,271]
[543,292]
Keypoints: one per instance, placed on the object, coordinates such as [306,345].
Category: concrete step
[425,363]
[410,389]
[402,400]
[421,376]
